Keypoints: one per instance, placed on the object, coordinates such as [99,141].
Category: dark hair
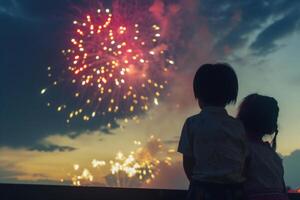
[216,84]
[259,115]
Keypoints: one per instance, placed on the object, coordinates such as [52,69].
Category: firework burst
[115,67]
[84,176]
[135,169]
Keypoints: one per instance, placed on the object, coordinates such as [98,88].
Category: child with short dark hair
[213,143]
[264,170]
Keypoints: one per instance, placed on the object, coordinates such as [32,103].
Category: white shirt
[264,170]
[217,142]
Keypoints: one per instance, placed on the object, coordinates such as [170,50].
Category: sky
[259,38]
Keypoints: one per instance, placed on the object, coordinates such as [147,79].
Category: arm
[188,165]
[186,148]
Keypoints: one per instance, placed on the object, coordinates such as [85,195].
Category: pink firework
[117,68]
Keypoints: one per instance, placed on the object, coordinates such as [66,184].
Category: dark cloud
[234,22]
[265,41]
[292,166]
[51,148]
[27,48]
[22,54]
[9,7]
[33,32]
[44,9]
[36,10]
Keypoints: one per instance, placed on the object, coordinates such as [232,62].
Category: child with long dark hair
[264,170]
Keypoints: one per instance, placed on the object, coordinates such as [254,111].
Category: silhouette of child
[264,170]
[213,143]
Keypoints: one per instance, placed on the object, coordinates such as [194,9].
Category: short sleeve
[184,145]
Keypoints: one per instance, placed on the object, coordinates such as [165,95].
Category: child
[264,171]
[213,144]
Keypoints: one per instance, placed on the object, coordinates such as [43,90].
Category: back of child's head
[215,84]
[259,115]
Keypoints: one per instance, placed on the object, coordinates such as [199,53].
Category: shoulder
[275,155]
[194,118]
[263,152]
[264,148]
[234,123]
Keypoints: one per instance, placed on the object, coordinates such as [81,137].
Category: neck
[210,105]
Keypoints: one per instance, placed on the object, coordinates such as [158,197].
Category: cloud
[234,23]
[7,174]
[35,10]
[266,41]
[198,31]
[209,30]
[51,148]
[291,165]
[10,174]
[10,8]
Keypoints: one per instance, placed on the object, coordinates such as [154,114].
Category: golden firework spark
[136,168]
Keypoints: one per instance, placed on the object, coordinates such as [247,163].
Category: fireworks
[132,170]
[114,67]
[98,163]
[85,175]
[126,169]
